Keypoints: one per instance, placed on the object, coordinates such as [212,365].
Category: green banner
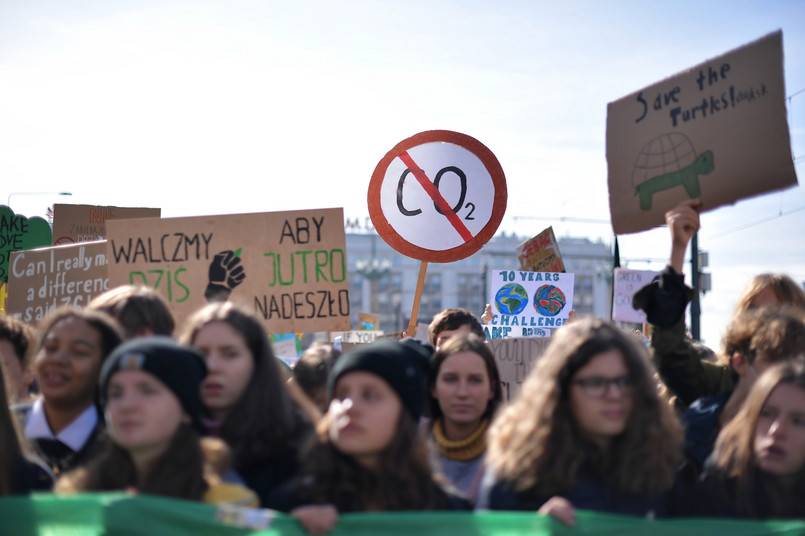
[121,514]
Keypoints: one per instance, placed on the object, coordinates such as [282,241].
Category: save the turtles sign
[717,131]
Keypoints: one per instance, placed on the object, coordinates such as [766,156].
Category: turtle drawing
[666,162]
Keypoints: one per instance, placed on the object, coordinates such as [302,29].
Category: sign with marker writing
[516,358]
[437,196]
[528,304]
[84,223]
[290,268]
[42,279]
[717,132]
[541,253]
[627,283]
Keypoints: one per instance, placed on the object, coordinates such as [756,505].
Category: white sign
[437,196]
[627,283]
[527,304]
[356,337]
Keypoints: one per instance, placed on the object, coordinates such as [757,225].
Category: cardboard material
[528,304]
[541,253]
[42,279]
[717,131]
[627,283]
[290,268]
[18,232]
[84,223]
[368,322]
[516,358]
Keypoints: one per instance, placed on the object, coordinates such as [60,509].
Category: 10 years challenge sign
[528,304]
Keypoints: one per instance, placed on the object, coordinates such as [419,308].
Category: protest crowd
[117,397]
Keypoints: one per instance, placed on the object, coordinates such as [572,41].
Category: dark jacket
[30,475]
[68,460]
[589,493]
[664,301]
[702,427]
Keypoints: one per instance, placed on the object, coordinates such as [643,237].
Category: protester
[18,473]
[246,401]
[464,389]
[150,388]
[369,455]
[452,322]
[758,466]
[755,340]
[65,424]
[17,342]
[140,310]
[664,302]
[588,430]
[312,371]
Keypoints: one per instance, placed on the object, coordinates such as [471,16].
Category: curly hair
[456,345]
[403,481]
[765,334]
[265,423]
[536,445]
[788,292]
[734,453]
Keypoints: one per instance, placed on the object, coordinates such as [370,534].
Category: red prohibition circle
[470,245]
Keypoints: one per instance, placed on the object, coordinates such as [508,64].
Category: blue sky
[203,107]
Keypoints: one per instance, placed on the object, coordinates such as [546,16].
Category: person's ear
[739,364]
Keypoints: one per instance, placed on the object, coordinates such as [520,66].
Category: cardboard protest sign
[627,283]
[290,268]
[526,304]
[717,131]
[541,253]
[422,331]
[84,223]
[42,279]
[368,322]
[356,337]
[516,358]
[17,233]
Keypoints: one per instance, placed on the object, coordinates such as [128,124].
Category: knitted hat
[403,365]
[181,368]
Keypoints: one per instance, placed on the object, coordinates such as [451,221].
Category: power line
[758,222]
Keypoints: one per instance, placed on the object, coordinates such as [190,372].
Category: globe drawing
[511,299]
[549,300]
[664,154]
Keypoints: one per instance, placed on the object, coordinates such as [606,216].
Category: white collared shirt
[74,435]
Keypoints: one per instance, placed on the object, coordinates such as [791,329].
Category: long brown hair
[264,423]
[535,444]
[10,439]
[178,473]
[403,481]
[455,345]
[734,453]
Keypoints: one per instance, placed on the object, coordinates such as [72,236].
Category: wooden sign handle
[423,267]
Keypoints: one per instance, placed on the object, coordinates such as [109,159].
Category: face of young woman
[68,364]
[463,388]
[601,397]
[230,365]
[780,432]
[365,413]
[142,413]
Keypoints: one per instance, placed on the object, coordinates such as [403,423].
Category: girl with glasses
[589,430]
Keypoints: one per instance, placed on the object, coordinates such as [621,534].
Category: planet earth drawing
[549,300]
[511,299]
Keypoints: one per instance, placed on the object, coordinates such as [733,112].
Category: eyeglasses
[598,386]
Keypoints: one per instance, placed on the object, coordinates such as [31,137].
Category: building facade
[383,281]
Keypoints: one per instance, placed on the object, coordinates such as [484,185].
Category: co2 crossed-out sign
[438,196]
